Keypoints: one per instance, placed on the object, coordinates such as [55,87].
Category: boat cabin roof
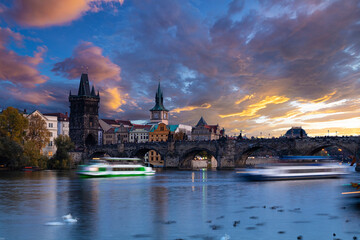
[112,160]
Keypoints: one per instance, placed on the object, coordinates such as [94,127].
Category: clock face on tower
[156,115]
[164,115]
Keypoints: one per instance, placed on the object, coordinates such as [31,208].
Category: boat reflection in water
[296,167]
[351,190]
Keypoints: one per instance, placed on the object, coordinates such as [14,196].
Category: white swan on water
[66,219]
[69,218]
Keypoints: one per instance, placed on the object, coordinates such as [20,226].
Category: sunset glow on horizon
[259,67]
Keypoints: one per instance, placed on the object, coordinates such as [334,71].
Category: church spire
[84,87]
[159,101]
[93,91]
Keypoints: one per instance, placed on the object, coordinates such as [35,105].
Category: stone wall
[197,164]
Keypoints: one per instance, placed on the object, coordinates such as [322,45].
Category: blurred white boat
[293,172]
[115,167]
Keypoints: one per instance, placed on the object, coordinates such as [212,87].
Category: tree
[37,132]
[13,125]
[61,159]
[179,136]
[33,157]
[10,152]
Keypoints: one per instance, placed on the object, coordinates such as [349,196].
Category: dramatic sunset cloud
[18,69]
[88,58]
[191,108]
[37,13]
[247,97]
[259,66]
[253,109]
[114,99]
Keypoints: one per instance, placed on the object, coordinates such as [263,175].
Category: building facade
[139,133]
[62,122]
[159,133]
[115,131]
[204,132]
[84,115]
[52,126]
[116,135]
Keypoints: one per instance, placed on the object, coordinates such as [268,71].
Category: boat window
[308,170]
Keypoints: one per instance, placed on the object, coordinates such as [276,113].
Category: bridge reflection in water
[229,154]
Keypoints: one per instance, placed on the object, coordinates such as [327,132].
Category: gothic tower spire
[84,86]
[159,113]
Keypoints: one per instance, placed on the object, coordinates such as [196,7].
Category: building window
[50,144]
[51,125]
[50,154]
[91,122]
[51,134]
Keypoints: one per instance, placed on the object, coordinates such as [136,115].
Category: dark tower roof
[296,132]
[84,87]
[159,99]
[93,91]
[201,122]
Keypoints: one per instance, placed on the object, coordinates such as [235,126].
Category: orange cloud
[247,97]
[254,108]
[38,13]
[322,99]
[87,57]
[20,70]
[114,99]
[190,108]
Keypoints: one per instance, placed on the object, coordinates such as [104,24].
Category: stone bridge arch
[141,152]
[317,148]
[189,155]
[99,153]
[243,155]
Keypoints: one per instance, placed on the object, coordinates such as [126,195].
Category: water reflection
[83,203]
[174,205]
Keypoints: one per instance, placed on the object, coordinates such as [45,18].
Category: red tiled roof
[125,122]
[138,126]
[60,116]
[211,127]
[110,121]
[117,122]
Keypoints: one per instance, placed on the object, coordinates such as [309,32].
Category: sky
[258,67]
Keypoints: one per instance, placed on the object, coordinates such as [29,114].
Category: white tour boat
[114,167]
[297,171]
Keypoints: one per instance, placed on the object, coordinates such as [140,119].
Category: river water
[174,205]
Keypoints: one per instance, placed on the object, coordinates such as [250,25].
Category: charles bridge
[228,153]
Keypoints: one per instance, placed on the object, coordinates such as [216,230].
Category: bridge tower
[84,115]
[159,113]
